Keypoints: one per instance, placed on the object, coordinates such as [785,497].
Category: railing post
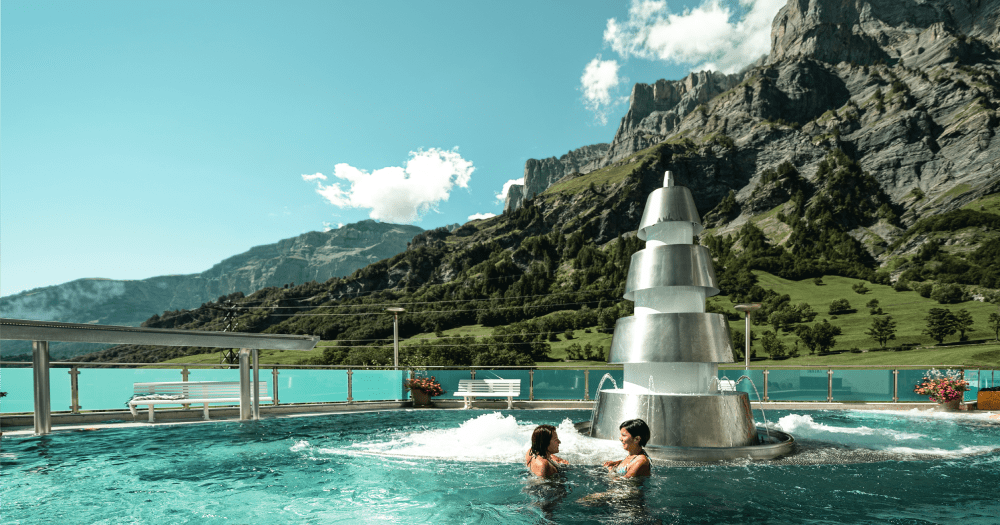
[74,389]
[895,386]
[829,385]
[765,384]
[586,384]
[256,384]
[531,384]
[274,383]
[40,371]
[350,386]
[184,378]
[473,371]
[245,384]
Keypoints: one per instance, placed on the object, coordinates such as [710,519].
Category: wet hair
[540,440]
[637,427]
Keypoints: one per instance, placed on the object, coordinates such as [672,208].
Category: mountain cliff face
[540,174]
[907,89]
[313,256]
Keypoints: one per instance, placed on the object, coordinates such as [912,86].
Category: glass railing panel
[111,388]
[596,375]
[755,380]
[558,384]
[312,386]
[448,380]
[862,385]
[379,385]
[797,385]
[523,375]
[907,380]
[20,387]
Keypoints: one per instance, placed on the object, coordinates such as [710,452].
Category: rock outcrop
[540,174]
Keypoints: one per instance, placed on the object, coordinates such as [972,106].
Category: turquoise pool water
[430,466]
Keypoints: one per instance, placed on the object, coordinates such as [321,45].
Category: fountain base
[719,419]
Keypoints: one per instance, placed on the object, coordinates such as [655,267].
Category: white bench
[492,388]
[190,393]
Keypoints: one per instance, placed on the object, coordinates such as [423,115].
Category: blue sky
[154,138]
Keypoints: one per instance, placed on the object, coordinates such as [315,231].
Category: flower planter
[987,400]
[950,406]
[420,398]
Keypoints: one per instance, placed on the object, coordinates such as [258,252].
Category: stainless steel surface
[40,367]
[25,330]
[256,384]
[773,444]
[749,309]
[722,419]
[669,204]
[672,337]
[671,265]
[74,390]
[245,411]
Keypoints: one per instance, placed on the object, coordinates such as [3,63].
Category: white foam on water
[940,452]
[804,426]
[491,438]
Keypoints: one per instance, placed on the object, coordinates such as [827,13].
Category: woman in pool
[634,435]
[541,458]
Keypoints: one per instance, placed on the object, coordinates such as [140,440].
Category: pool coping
[23,424]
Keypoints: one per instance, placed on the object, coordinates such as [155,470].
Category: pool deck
[23,424]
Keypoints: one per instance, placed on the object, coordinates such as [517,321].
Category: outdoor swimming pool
[450,466]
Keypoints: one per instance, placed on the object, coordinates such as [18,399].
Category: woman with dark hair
[634,435]
[541,458]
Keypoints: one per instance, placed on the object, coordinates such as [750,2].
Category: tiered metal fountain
[671,349]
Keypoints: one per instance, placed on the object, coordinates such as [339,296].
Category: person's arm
[638,467]
[612,464]
[558,459]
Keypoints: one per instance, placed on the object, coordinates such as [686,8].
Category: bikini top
[623,467]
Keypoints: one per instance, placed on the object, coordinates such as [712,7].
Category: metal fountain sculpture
[671,348]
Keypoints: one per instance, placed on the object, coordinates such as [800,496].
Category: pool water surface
[451,466]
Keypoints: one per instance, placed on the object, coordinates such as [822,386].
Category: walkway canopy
[41,332]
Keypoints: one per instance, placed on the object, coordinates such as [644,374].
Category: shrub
[948,293]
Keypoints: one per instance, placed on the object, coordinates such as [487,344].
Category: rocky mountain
[908,89]
[313,256]
[540,174]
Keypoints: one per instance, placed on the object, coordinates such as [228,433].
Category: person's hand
[558,459]
[612,463]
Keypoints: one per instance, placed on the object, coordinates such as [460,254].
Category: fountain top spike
[668,179]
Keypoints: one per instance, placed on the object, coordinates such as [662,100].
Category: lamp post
[395,334]
[748,308]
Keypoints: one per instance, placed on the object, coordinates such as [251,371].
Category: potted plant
[988,398]
[422,389]
[943,388]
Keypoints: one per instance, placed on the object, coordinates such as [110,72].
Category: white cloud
[478,216]
[328,227]
[599,79]
[713,36]
[502,196]
[399,194]
[314,176]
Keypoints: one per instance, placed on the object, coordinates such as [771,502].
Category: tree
[606,321]
[825,335]
[805,335]
[995,325]
[772,345]
[882,330]
[963,323]
[860,288]
[940,324]
[818,281]
[840,306]
[873,307]
[948,293]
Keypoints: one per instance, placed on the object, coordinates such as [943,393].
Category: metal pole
[256,384]
[746,356]
[244,384]
[531,384]
[395,340]
[74,389]
[350,386]
[586,385]
[274,385]
[40,369]
[895,386]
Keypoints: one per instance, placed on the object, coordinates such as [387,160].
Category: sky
[152,138]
